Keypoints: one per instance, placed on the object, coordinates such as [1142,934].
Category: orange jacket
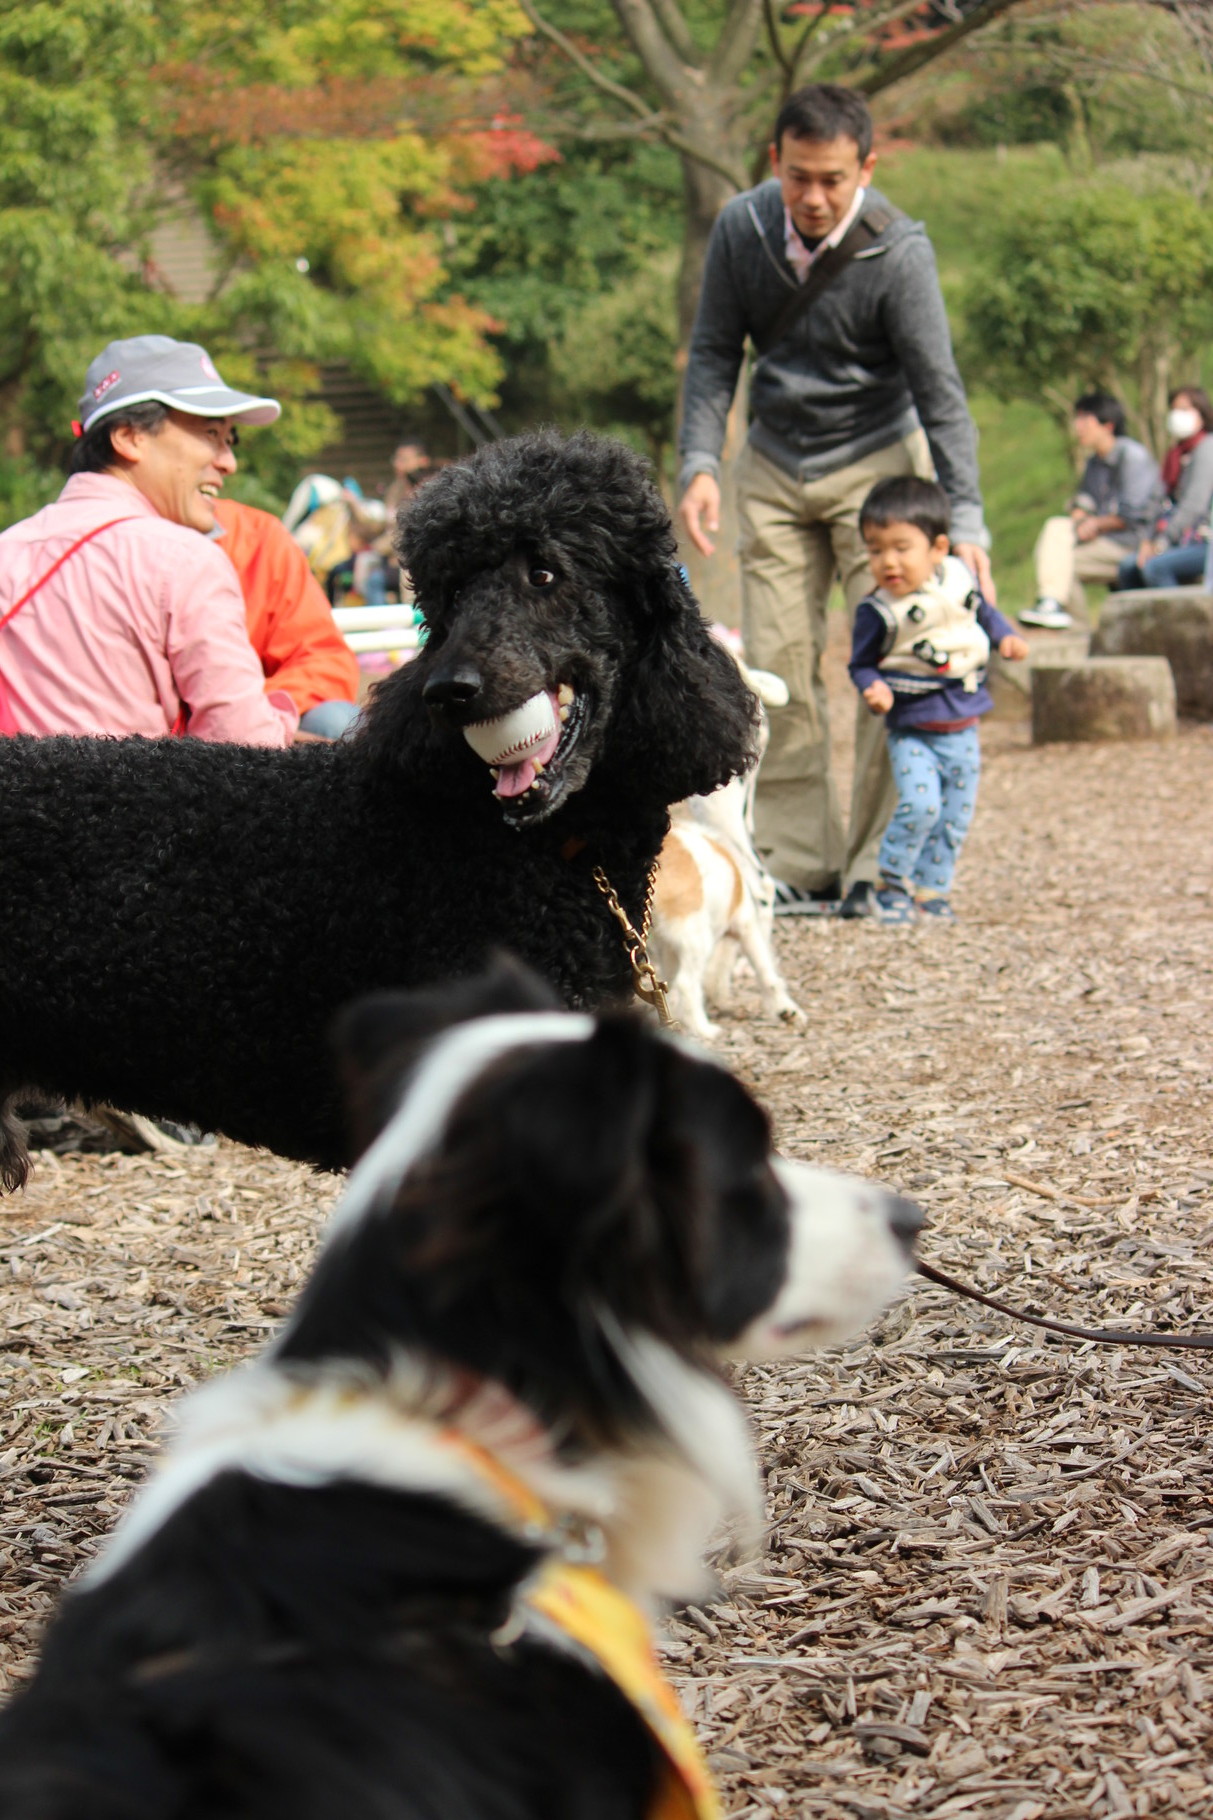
[290,622]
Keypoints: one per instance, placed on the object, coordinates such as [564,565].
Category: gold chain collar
[646,983]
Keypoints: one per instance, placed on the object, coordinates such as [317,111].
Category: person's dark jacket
[868,362]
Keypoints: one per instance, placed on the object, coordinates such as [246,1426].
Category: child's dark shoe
[894,903]
[931,904]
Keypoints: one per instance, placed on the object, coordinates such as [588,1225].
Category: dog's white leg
[721,968]
[777,1001]
[678,957]
[688,1002]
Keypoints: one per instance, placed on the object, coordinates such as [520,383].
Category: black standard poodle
[179,922]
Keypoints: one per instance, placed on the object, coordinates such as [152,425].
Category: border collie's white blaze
[451,1066]
[561,1224]
[846,1259]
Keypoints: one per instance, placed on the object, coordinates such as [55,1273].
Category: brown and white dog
[713,898]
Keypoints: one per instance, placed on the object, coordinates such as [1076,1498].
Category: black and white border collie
[317,1609]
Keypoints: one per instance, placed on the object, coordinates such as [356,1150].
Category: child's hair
[907,500]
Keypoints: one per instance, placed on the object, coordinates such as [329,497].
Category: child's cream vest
[932,636]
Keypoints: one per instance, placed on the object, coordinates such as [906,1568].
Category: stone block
[1103,698]
[1175,623]
[1058,647]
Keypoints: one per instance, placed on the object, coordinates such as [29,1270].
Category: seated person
[115,616]
[1174,554]
[410,466]
[290,623]
[1109,516]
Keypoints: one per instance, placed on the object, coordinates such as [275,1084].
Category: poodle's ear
[685,709]
[380,1038]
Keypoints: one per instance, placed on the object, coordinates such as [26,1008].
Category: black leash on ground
[1109,1336]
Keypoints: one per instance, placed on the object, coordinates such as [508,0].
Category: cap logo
[208,367]
[106,385]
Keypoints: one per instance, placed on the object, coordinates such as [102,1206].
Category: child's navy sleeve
[994,624]
[867,645]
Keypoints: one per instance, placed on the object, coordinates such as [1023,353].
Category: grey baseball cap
[179,374]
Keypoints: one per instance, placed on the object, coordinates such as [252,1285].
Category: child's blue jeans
[936,777]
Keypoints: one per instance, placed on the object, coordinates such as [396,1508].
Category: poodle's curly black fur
[179,922]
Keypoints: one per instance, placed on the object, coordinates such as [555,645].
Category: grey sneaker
[1048,615]
[790,900]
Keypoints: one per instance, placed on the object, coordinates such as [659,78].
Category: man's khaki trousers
[1063,564]
[795,536]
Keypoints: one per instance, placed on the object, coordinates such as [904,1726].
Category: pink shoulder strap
[8,725]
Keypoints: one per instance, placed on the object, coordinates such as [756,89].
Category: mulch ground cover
[988,1584]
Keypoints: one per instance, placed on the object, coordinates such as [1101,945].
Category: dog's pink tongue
[513,780]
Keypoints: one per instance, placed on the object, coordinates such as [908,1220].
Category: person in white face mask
[1173,555]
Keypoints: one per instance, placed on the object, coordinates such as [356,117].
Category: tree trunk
[1155,371]
[705,193]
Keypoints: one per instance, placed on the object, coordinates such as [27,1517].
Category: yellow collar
[583,1605]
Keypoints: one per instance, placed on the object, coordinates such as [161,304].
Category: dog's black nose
[906,1219]
[454,687]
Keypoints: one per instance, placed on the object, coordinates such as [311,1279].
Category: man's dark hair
[1104,408]
[905,500]
[94,452]
[1199,399]
[825,110]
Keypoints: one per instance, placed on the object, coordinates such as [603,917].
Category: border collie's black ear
[581,1128]
[687,711]
[378,1038]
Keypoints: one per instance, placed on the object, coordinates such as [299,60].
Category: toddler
[919,652]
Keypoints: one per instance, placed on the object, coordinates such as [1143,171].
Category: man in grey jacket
[841,394]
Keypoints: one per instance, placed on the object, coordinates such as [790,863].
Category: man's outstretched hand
[975,558]
[699,511]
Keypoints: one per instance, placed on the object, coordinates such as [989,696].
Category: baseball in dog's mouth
[526,750]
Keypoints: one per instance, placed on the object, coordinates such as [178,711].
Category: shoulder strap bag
[8,724]
[829,265]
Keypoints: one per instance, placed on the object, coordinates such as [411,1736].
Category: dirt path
[989,1586]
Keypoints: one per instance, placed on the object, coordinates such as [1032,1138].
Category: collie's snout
[849,1250]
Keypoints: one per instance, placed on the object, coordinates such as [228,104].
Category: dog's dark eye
[540,578]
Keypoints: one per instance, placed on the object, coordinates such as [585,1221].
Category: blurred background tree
[1093,280]
[438,192]
[705,78]
[325,155]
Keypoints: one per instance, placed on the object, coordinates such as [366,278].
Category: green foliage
[1117,80]
[617,360]
[1092,282]
[331,237]
[535,248]
[539,250]
[73,177]
[1027,475]
[306,133]
[25,488]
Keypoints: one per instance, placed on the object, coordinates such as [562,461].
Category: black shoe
[860,900]
[790,900]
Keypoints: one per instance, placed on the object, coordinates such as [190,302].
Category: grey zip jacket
[864,366]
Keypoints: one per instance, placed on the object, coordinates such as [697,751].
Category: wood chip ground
[988,1583]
